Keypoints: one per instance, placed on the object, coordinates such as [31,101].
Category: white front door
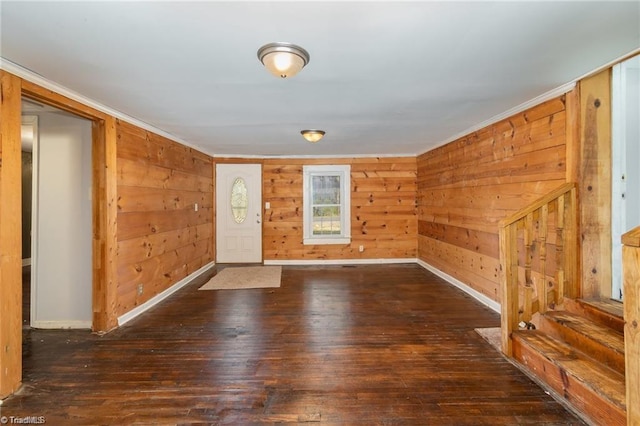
[238,213]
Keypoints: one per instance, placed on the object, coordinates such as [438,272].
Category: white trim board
[123,319]
[339,262]
[495,306]
[61,325]
[327,156]
[490,303]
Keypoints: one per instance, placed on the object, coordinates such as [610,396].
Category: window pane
[326,220]
[239,200]
[325,190]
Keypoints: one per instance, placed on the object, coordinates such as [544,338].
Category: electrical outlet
[361,248]
[140,289]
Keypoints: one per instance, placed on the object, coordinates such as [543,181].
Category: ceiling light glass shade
[312,135]
[283,59]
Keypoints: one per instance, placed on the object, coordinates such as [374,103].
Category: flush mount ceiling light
[283,59]
[312,135]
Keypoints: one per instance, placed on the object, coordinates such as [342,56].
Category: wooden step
[606,312]
[590,387]
[601,343]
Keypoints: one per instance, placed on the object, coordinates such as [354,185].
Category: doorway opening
[56,217]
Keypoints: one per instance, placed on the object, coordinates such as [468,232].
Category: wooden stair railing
[531,280]
[631,287]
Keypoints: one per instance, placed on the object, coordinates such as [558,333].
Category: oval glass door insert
[239,200]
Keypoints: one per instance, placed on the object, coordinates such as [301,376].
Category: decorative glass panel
[239,200]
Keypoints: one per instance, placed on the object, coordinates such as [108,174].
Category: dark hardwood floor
[365,345]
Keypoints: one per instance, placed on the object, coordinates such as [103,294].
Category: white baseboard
[462,286]
[57,325]
[26,262]
[492,304]
[339,261]
[161,296]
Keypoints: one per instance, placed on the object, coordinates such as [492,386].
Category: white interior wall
[62,292]
[632,138]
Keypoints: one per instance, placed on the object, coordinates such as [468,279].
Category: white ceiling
[384,78]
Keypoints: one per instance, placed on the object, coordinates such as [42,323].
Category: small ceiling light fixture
[283,59]
[312,135]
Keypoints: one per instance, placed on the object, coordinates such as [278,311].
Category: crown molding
[559,91]
[554,93]
[302,157]
[38,79]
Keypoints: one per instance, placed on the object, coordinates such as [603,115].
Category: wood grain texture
[595,184]
[105,231]
[383,212]
[364,345]
[161,238]
[598,341]
[573,134]
[49,97]
[524,265]
[563,367]
[465,188]
[632,238]
[631,283]
[11,235]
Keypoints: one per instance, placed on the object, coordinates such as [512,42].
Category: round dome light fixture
[312,135]
[283,59]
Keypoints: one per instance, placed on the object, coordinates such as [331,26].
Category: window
[327,204]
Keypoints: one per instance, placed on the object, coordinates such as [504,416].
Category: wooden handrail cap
[632,238]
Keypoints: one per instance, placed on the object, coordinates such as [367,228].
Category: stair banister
[561,202]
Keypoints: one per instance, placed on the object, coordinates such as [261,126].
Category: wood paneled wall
[595,184]
[10,236]
[383,210]
[161,236]
[467,186]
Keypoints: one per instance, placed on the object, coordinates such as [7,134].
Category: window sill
[319,241]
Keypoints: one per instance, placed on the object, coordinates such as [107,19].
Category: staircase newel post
[631,287]
[508,286]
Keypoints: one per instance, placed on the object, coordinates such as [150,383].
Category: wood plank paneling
[383,210]
[161,236]
[467,186]
[595,184]
[631,279]
[10,235]
[49,97]
[105,234]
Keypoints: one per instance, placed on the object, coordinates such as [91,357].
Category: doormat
[239,277]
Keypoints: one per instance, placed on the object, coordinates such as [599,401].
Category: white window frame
[344,171]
